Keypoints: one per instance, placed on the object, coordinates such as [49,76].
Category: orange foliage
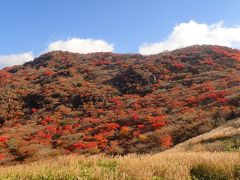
[124,129]
[48,72]
[84,145]
[166,141]
[3,139]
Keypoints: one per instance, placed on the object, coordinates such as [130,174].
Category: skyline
[147,27]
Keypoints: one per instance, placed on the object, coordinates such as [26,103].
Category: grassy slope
[224,138]
[159,166]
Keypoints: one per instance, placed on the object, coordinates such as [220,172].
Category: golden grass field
[169,165]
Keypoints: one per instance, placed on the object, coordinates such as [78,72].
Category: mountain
[62,102]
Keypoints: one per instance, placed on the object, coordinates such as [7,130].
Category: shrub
[3,139]
[84,145]
[232,144]
[110,165]
[159,124]
[178,65]
[206,172]
[166,141]
[135,117]
[237,172]
[34,110]
[48,72]
[1,156]
[125,130]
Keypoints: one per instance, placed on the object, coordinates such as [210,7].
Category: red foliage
[166,141]
[179,65]
[76,125]
[85,145]
[159,118]
[68,127]
[18,125]
[191,100]
[44,122]
[207,61]
[136,133]
[34,110]
[3,139]
[4,75]
[48,119]
[1,156]
[43,135]
[100,111]
[125,129]
[52,129]
[135,117]
[91,120]
[111,101]
[117,101]
[222,100]
[111,126]
[99,137]
[140,126]
[104,62]
[89,129]
[215,95]
[159,124]
[48,72]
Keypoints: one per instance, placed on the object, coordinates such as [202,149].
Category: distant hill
[63,102]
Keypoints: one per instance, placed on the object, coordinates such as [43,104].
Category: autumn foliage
[63,102]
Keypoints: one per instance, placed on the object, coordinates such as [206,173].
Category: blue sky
[31,25]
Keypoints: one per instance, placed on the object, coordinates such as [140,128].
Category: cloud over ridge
[191,33]
[15,59]
[77,45]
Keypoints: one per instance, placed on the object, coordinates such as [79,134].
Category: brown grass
[159,166]
[210,141]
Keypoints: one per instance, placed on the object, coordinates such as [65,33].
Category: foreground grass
[159,166]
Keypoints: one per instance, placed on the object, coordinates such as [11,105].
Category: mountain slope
[115,104]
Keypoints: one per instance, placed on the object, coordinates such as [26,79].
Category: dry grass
[200,143]
[159,166]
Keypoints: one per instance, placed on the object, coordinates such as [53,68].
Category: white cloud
[15,59]
[73,45]
[191,33]
[81,45]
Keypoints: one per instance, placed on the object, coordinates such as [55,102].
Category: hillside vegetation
[187,160]
[63,103]
[162,166]
[224,138]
